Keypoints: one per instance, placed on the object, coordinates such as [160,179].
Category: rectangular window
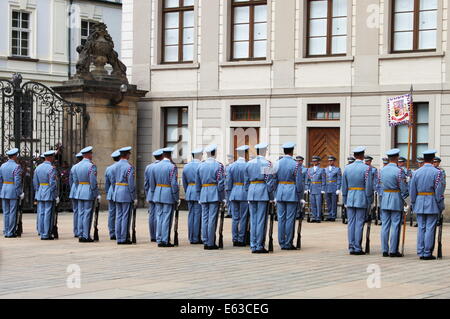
[414,25]
[176,132]
[178,31]
[245,113]
[324,112]
[20,37]
[87,27]
[327,27]
[249,29]
[419,133]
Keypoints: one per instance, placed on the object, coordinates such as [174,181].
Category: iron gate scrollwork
[35,119]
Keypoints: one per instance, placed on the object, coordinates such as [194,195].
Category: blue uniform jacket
[288,180]
[124,184]
[393,187]
[427,190]
[357,185]
[210,181]
[86,178]
[259,180]
[164,182]
[189,180]
[10,180]
[72,184]
[44,182]
[235,181]
[333,178]
[147,177]
[316,181]
[109,185]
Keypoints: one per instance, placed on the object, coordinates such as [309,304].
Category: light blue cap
[168,150]
[115,154]
[125,149]
[12,152]
[86,150]
[393,152]
[211,148]
[42,155]
[261,146]
[288,145]
[158,152]
[49,153]
[243,148]
[197,151]
[359,149]
[79,155]
[430,152]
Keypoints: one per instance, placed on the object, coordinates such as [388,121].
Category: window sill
[327,59]
[20,58]
[246,63]
[175,66]
[412,55]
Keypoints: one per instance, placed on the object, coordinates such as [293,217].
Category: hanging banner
[399,110]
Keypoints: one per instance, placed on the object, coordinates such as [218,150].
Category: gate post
[18,94]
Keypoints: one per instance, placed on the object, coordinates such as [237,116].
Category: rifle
[55,221]
[404,229]
[19,227]
[271,213]
[222,216]
[97,209]
[247,230]
[441,222]
[375,209]
[369,223]
[411,220]
[299,233]
[133,236]
[344,214]
[175,227]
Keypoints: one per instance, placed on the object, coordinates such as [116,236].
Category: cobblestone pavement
[31,268]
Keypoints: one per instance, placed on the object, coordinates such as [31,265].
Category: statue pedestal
[110,126]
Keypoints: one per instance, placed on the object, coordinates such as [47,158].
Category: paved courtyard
[31,268]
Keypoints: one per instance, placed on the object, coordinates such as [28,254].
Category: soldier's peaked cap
[86,150]
[49,153]
[437,159]
[115,154]
[125,149]
[197,151]
[211,148]
[429,152]
[168,150]
[261,146]
[12,152]
[158,152]
[331,158]
[316,158]
[243,148]
[288,145]
[359,149]
[393,152]
[79,155]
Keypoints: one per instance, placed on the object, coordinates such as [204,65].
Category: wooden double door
[245,136]
[323,142]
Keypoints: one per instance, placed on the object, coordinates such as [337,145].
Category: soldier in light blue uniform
[333,187]
[350,160]
[109,190]
[357,195]
[237,196]
[158,155]
[395,191]
[211,189]
[259,186]
[10,192]
[402,165]
[164,186]
[230,160]
[427,199]
[316,185]
[73,190]
[288,188]
[45,187]
[436,164]
[85,176]
[300,160]
[192,197]
[124,195]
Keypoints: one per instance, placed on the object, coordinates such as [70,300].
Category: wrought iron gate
[35,119]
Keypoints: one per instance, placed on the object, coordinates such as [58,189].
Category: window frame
[248,111]
[180,9]
[20,30]
[251,4]
[329,35]
[93,22]
[416,29]
[179,124]
[328,108]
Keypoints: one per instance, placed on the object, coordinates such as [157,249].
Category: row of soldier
[246,188]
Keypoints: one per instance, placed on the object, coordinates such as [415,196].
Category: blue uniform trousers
[258,221]
[152,220]
[9,216]
[45,218]
[76,232]
[85,208]
[239,212]
[316,206]
[164,222]
[356,219]
[331,199]
[122,221]
[209,222]
[426,234]
[112,218]
[194,221]
[286,223]
[391,221]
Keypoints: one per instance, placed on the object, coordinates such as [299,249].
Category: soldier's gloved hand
[224,202]
[323,192]
[306,192]
[179,203]
[57,200]
[22,196]
[99,197]
[338,192]
[302,203]
[406,209]
[135,202]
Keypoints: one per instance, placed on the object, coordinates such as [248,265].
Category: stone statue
[99,50]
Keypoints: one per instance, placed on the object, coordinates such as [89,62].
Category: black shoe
[206,247]
[170,245]
[215,247]
[352,253]
[397,254]
[262,251]
[241,244]
[318,221]
[332,219]
[359,253]
[162,245]
[80,239]
[421,258]
[429,258]
[50,238]
[254,251]
[196,243]
[236,244]
[385,254]
[113,238]
[88,240]
[292,248]
[76,236]
[416,225]
[153,240]
[12,236]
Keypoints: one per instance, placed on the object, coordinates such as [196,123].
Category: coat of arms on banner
[399,110]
